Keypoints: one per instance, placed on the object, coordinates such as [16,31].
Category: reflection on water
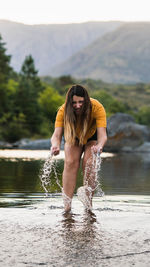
[126,174]
[79,235]
[120,174]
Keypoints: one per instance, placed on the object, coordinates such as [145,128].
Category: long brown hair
[70,118]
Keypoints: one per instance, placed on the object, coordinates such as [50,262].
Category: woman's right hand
[55,150]
[56,141]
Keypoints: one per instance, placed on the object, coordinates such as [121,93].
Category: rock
[40,144]
[21,143]
[124,134]
[116,120]
[143,148]
[5,145]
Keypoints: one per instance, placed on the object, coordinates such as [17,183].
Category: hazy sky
[68,11]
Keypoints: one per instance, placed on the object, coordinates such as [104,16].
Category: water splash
[67,201]
[48,169]
[46,172]
[91,181]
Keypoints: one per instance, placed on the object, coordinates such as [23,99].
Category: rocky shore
[124,135]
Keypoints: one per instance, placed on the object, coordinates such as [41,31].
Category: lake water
[34,230]
[120,173]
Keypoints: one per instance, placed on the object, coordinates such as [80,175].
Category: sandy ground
[36,154]
[36,232]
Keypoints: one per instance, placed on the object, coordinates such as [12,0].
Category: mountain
[121,56]
[50,44]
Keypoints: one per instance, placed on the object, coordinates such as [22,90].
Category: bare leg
[71,166]
[89,171]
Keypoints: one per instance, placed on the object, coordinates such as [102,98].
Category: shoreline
[36,154]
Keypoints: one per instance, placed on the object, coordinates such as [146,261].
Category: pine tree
[28,91]
[4,63]
[5,70]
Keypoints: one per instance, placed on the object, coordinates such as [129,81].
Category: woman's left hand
[97,149]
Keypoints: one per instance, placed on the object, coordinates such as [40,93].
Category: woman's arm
[101,139]
[56,140]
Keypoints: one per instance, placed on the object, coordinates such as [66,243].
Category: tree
[5,70]
[63,83]
[6,95]
[4,63]
[50,101]
[111,104]
[27,95]
[143,115]
[29,76]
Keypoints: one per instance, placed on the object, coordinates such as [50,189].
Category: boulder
[124,134]
[40,144]
[145,147]
[4,145]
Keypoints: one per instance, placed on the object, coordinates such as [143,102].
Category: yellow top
[98,119]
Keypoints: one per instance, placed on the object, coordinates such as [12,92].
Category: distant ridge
[121,56]
[50,44]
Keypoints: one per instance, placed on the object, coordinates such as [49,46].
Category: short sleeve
[99,114]
[59,122]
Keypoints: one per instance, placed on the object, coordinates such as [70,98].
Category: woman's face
[77,102]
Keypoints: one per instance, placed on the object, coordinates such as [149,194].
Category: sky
[73,11]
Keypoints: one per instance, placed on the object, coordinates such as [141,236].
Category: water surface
[35,231]
[120,174]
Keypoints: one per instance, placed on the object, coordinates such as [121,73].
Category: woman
[83,121]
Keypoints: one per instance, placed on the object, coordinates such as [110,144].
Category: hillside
[50,44]
[122,56]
